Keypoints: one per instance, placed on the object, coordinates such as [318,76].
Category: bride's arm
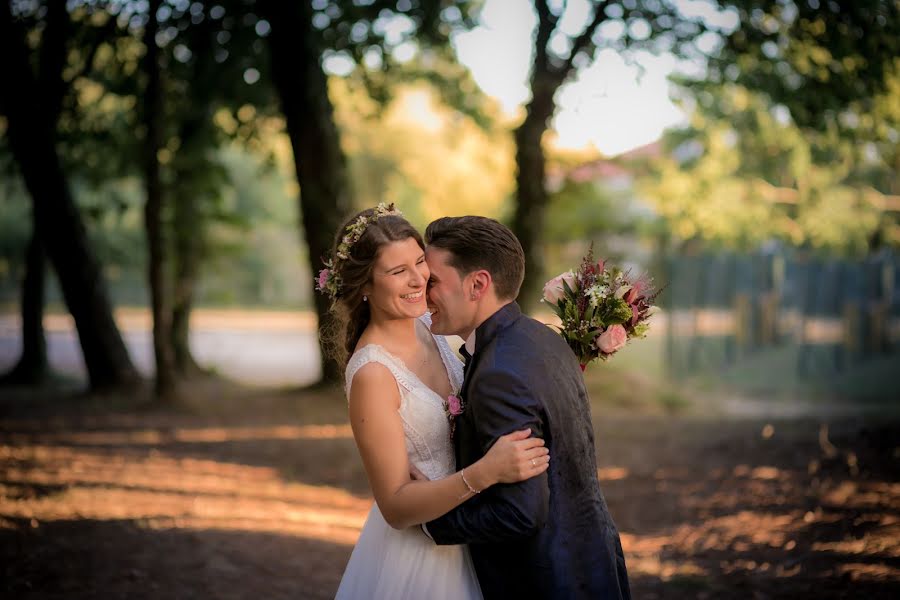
[378,431]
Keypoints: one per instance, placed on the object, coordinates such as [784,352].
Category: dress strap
[375,353]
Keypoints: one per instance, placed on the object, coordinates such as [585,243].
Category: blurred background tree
[209,81]
[793,134]
[32,102]
[562,46]
[376,42]
[199,68]
[459,166]
[272,113]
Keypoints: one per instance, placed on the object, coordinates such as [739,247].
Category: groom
[550,536]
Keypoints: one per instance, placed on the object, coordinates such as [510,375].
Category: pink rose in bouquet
[554,290]
[612,339]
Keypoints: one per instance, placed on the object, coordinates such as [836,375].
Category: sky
[609,105]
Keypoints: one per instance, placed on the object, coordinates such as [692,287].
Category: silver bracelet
[471,489]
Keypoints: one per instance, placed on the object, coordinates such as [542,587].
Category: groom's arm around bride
[506,512]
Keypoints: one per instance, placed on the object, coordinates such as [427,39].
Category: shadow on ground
[88,558]
[247,493]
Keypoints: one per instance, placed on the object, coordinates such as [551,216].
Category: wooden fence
[835,313]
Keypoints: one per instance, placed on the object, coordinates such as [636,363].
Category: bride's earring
[365,298]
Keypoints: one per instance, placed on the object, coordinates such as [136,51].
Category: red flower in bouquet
[601,308]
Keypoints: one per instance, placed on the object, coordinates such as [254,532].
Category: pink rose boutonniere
[453,407]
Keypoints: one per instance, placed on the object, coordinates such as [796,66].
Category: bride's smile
[414,297]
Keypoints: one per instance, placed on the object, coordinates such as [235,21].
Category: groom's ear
[482,282]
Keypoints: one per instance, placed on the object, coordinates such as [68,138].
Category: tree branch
[584,42]
[102,35]
[52,59]
[546,24]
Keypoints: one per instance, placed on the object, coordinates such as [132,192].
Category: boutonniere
[454,406]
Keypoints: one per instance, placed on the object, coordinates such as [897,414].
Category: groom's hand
[416,475]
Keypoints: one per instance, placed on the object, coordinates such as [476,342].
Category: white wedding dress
[405,564]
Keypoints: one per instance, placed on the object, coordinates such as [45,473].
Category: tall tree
[216,62]
[189,225]
[557,55]
[52,59]
[32,116]
[157,276]
[180,64]
[297,75]
[32,367]
[301,34]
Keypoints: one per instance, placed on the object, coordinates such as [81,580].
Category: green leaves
[796,120]
[815,60]
[618,312]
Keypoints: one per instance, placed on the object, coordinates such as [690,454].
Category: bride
[400,383]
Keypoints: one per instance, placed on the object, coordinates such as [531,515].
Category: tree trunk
[32,140]
[185,364]
[189,227]
[189,194]
[32,368]
[531,195]
[189,232]
[153,222]
[318,158]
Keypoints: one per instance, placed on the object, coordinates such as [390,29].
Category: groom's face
[452,312]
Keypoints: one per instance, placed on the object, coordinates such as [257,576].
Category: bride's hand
[516,457]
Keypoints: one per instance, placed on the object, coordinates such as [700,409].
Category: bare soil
[241,493]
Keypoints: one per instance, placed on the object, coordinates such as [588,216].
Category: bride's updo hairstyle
[356,247]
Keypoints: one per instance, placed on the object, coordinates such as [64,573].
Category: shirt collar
[470,342]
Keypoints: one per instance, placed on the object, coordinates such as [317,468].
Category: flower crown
[329,279]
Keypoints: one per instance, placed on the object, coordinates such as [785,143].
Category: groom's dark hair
[481,243]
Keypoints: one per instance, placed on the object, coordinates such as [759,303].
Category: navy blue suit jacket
[550,536]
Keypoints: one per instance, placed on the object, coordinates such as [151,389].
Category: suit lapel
[484,335]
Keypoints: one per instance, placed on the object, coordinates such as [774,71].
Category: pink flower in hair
[323,278]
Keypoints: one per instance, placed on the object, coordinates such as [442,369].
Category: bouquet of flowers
[601,308]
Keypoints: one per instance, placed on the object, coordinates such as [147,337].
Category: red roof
[608,168]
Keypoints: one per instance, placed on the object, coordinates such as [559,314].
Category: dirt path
[245,494]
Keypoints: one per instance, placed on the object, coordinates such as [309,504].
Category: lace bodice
[425,425]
